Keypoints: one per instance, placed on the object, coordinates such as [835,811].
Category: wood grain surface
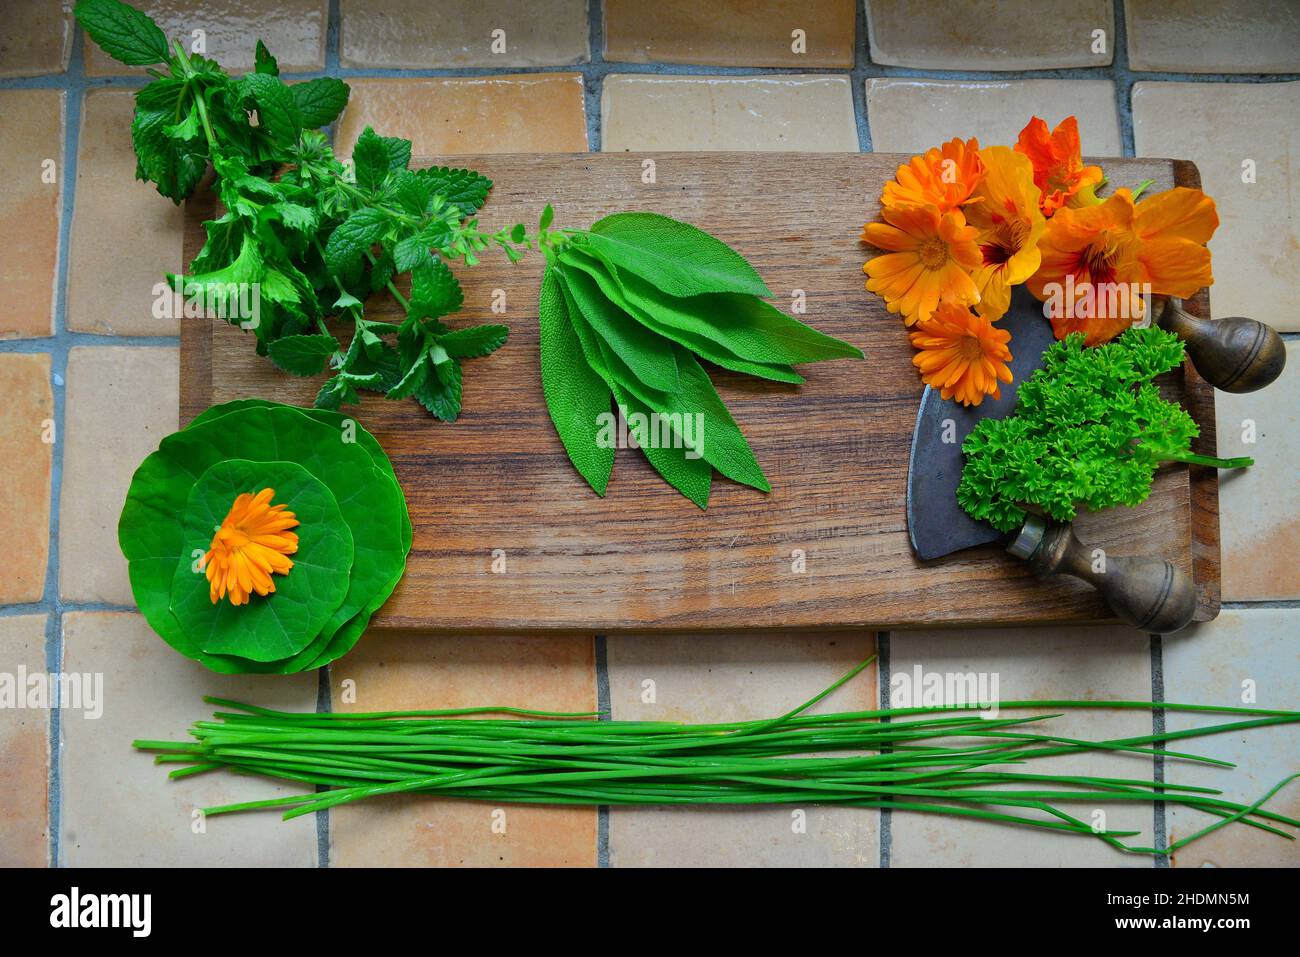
[834,449]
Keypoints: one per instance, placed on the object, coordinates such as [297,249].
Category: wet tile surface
[27,434]
[119,808]
[293,30]
[1209,36]
[778,33]
[391,671]
[122,401]
[1244,658]
[957,35]
[793,113]
[419,34]
[499,114]
[110,293]
[1244,140]
[908,116]
[31,152]
[1036,664]
[24,749]
[1259,507]
[701,678]
[35,37]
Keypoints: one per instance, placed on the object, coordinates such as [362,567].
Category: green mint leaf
[411,192]
[352,237]
[411,253]
[548,216]
[413,379]
[674,256]
[435,292]
[276,108]
[165,94]
[576,396]
[123,32]
[474,342]
[173,166]
[320,101]
[441,394]
[335,392]
[376,156]
[302,355]
[463,188]
[263,62]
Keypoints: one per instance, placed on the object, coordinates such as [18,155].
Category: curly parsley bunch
[1090,428]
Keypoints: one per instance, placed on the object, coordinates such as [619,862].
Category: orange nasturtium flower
[1058,164]
[1009,223]
[1097,259]
[928,257]
[944,176]
[251,543]
[961,354]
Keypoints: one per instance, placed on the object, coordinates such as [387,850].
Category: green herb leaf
[463,188]
[320,101]
[276,108]
[435,291]
[648,355]
[681,467]
[303,355]
[263,62]
[576,397]
[474,342]
[124,33]
[174,166]
[352,237]
[441,393]
[674,256]
[376,156]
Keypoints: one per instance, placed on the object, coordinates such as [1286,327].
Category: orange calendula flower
[1058,163]
[1009,223]
[961,354]
[1098,259]
[929,256]
[944,177]
[252,542]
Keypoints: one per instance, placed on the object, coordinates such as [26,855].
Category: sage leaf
[648,354]
[576,396]
[690,474]
[675,256]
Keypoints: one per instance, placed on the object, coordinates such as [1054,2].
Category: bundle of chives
[540,757]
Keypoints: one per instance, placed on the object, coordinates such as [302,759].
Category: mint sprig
[313,237]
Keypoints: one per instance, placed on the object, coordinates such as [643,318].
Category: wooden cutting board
[497,483]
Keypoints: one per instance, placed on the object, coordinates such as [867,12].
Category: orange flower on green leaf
[1007,217]
[253,542]
[929,257]
[1096,258]
[1059,172]
[944,177]
[963,355]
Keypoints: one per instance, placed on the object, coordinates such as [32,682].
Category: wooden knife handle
[1235,354]
[1148,593]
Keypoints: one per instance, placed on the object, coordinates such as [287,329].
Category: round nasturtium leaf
[280,624]
[335,450]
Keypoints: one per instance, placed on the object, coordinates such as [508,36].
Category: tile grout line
[594,72]
[1158,808]
[605,709]
[1123,82]
[886,834]
[59,348]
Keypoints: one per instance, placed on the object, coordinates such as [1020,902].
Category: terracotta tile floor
[90,376]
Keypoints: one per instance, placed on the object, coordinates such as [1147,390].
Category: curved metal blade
[936,524]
